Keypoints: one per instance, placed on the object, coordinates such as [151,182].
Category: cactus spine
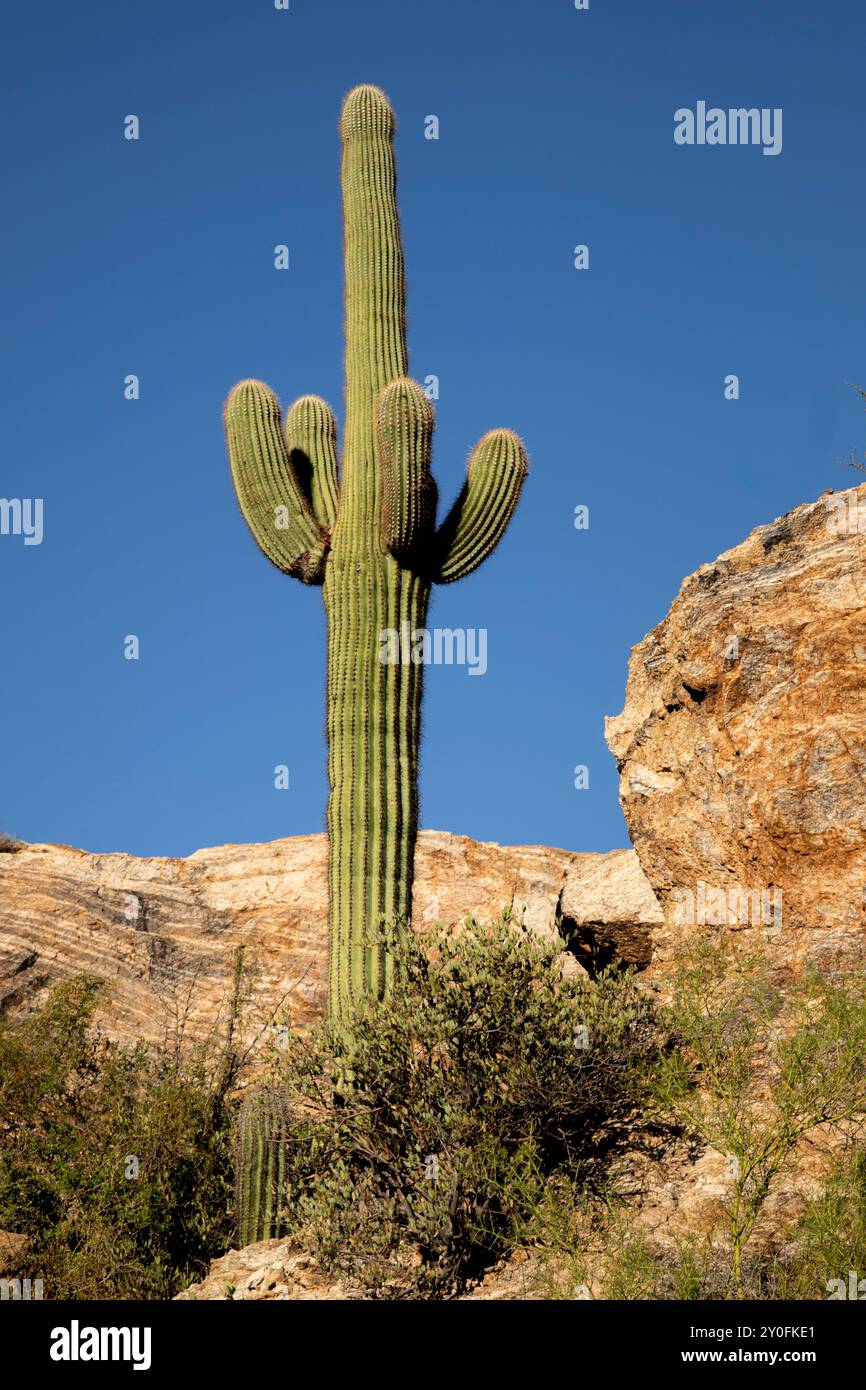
[264,1123]
[371,542]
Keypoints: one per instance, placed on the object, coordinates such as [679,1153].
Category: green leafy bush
[422,1145]
[591,1247]
[116,1162]
[484,1107]
[752,1072]
[830,1241]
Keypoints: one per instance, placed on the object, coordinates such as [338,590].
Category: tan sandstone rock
[608,906]
[13,1250]
[742,744]
[163,932]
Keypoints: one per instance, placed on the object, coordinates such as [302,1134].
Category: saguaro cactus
[264,1125]
[371,541]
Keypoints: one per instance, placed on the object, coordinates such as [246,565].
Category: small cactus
[264,1126]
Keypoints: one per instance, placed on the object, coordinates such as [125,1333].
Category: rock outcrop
[283,1270]
[742,743]
[609,911]
[163,932]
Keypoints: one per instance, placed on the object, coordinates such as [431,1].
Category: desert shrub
[751,1073]
[75,1109]
[421,1149]
[9,844]
[613,1258]
[829,1243]
[588,1247]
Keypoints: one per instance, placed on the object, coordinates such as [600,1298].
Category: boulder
[609,912]
[741,747]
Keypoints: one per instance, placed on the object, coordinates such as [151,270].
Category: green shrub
[76,1111]
[830,1240]
[599,1245]
[421,1145]
[751,1073]
[477,1111]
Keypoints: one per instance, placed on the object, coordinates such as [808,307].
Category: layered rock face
[163,932]
[742,743]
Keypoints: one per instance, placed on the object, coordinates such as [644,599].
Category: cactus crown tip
[505,436]
[247,384]
[366,111]
[242,390]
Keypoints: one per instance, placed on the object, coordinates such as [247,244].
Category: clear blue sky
[156,258]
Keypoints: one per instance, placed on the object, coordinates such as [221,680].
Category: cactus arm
[404,433]
[477,521]
[311,441]
[268,490]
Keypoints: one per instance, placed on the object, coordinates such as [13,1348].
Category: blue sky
[155,257]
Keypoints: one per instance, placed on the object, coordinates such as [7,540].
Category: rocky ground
[281,1269]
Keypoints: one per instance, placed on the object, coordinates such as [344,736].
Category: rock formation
[163,932]
[608,909]
[284,1270]
[742,744]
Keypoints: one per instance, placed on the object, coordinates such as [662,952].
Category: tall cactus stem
[370,540]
